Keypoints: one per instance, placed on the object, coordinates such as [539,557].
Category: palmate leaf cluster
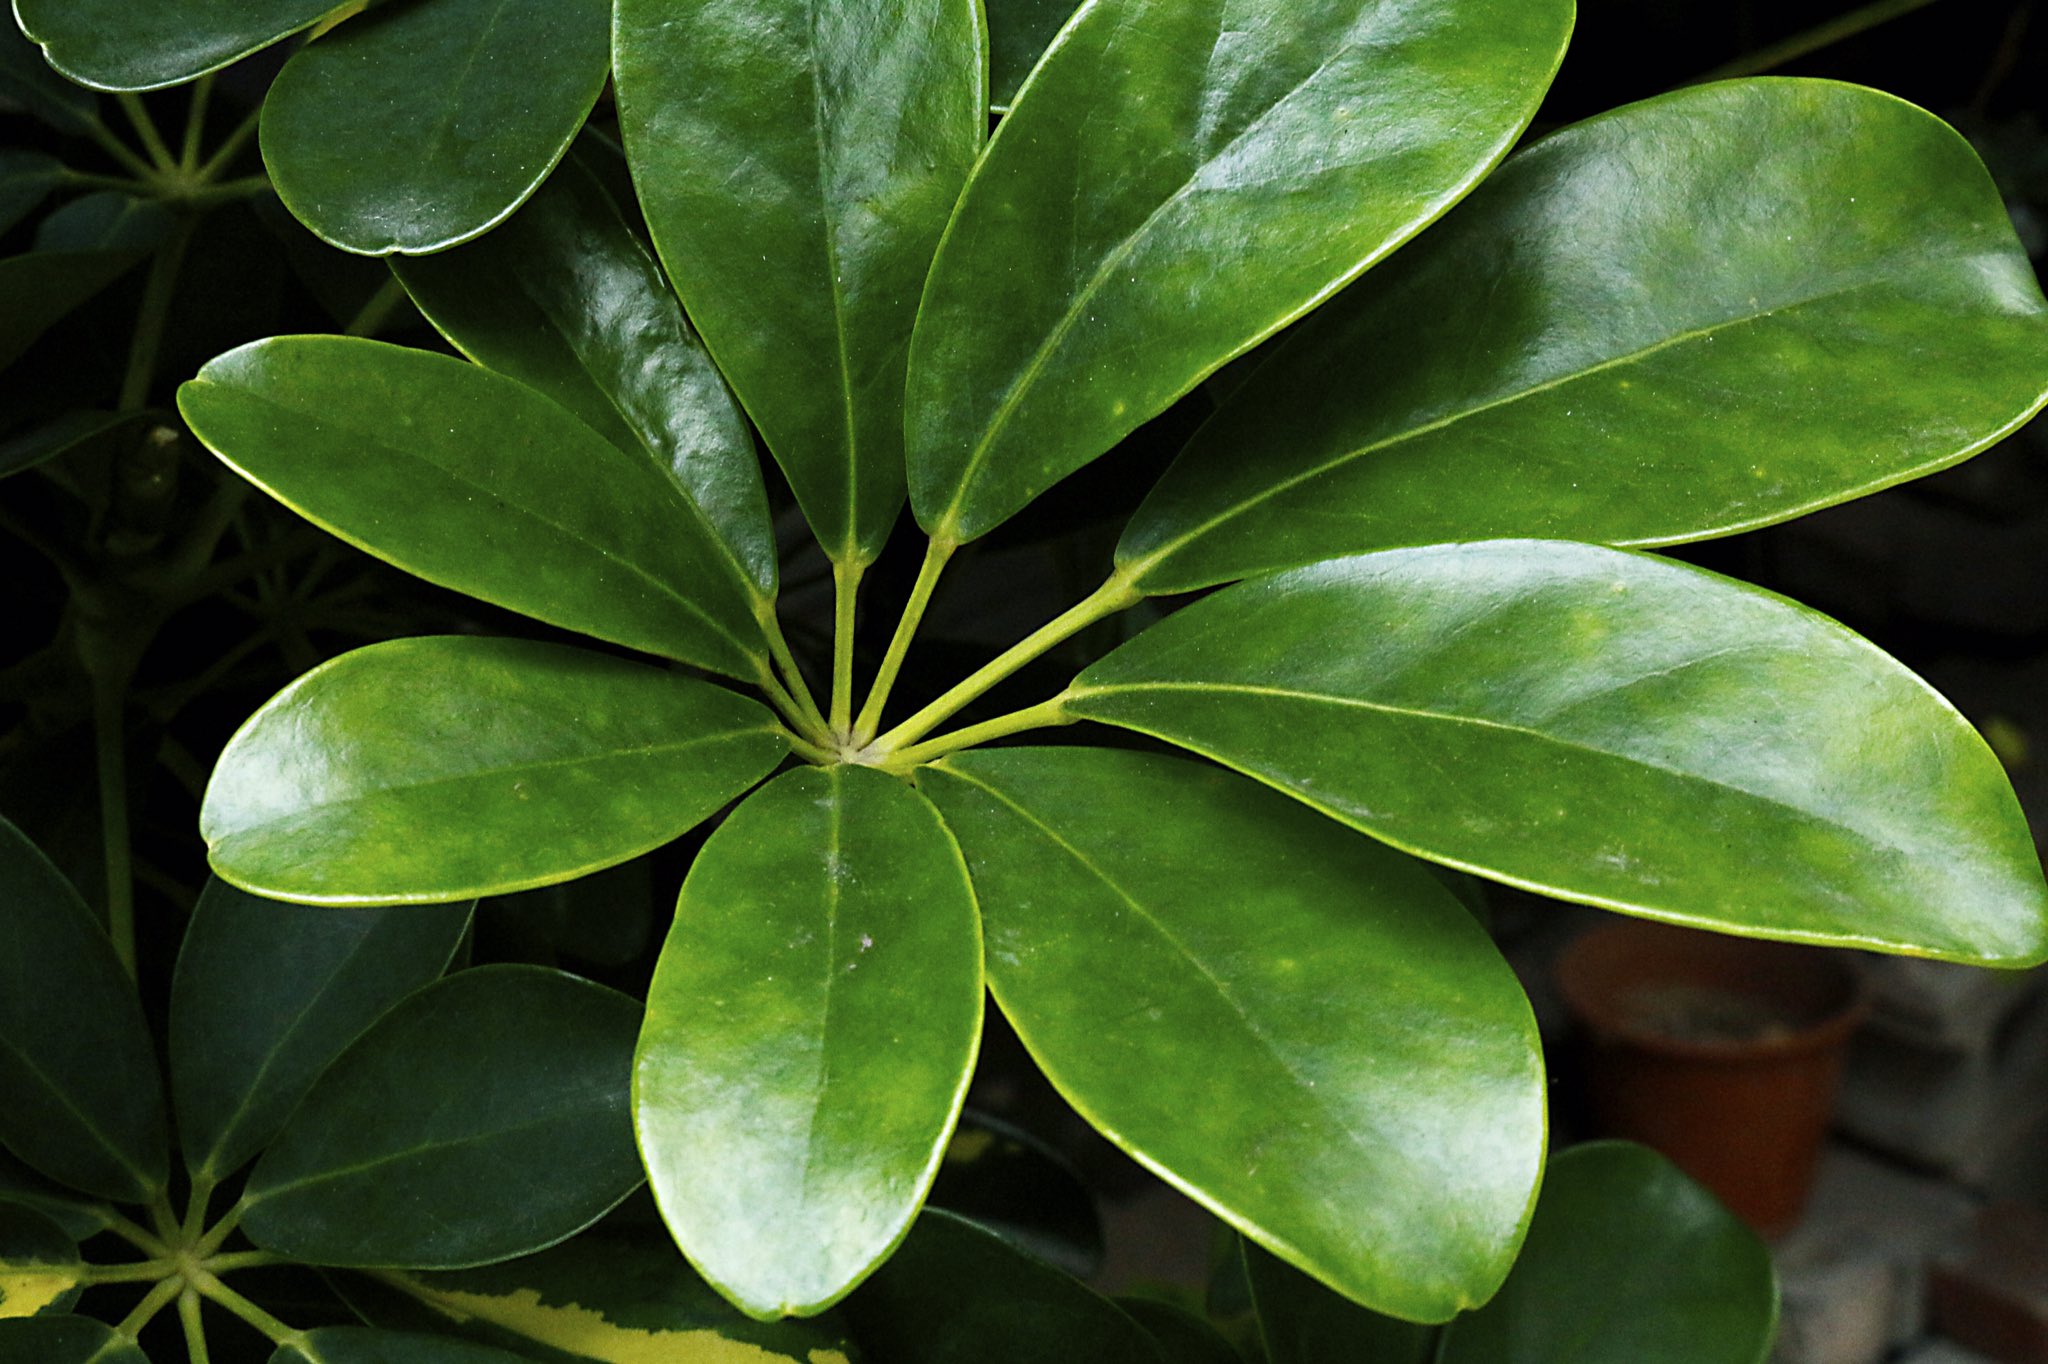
[1438,636]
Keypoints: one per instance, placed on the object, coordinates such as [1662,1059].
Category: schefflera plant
[1710,311]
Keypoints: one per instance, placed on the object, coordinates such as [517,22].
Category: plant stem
[936,553]
[213,1288]
[110,745]
[1116,594]
[228,150]
[135,1235]
[195,122]
[145,128]
[154,315]
[845,594]
[1835,30]
[195,1329]
[799,691]
[116,148]
[213,196]
[1044,714]
[163,1218]
[807,750]
[219,1232]
[195,1207]
[145,1271]
[243,1259]
[371,317]
[152,1303]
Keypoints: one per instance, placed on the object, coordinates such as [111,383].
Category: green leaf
[267,994]
[1606,727]
[26,78]
[1019,31]
[64,1340]
[1023,1189]
[440,769]
[957,1294]
[1711,311]
[616,1297]
[417,126]
[22,1186]
[1299,1028]
[107,221]
[84,1103]
[26,179]
[1177,181]
[1302,1322]
[476,482]
[810,1033]
[60,435]
[148,44]
[565,299]
[39,1264]
[42,288]
[1627,1260]
[367,1345]
[1182,1336]
[482,1118]
[797,162]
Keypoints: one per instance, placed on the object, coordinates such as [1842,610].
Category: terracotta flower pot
[1723,1053]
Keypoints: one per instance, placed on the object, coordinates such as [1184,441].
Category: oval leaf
[1711,311]
[430,770]
[477,482]
[810,1033]
[1183,1337]
[78,1218]
[1176,182]
[42,288]
[148,44]
[62,434]
[1627,1260]
[417,126]
[958,1294]
[1297,1027]
[64,1340]
[1605,727]
[39,1264]
[482,1118]
[565,299]
[26,78]
[1019,31]
[797,162]
[616,1297]
[366,1345]
[267,994]
[84,1102]
[26,179]
[1008,1180]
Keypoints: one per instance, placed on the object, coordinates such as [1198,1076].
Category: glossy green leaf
[1627,1260]
[148,44]
[482,1118]
[60,435]
[84,1103]
[422,771]
[26,179]
[1183,1337]
[1296,1026]
[39,1264]
[810,1033]
[64,1340]
[797,162]
[477,482]
[1302,1322]
[955,1293]
[22,1186]
[1177,181]
[1711,311]
[42,288]
[565,299]
[267,994]
[26,78]
[367,1345]
[417,126]
[1607,727]
[615,1297]
[1019,31]
[1023,1189]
